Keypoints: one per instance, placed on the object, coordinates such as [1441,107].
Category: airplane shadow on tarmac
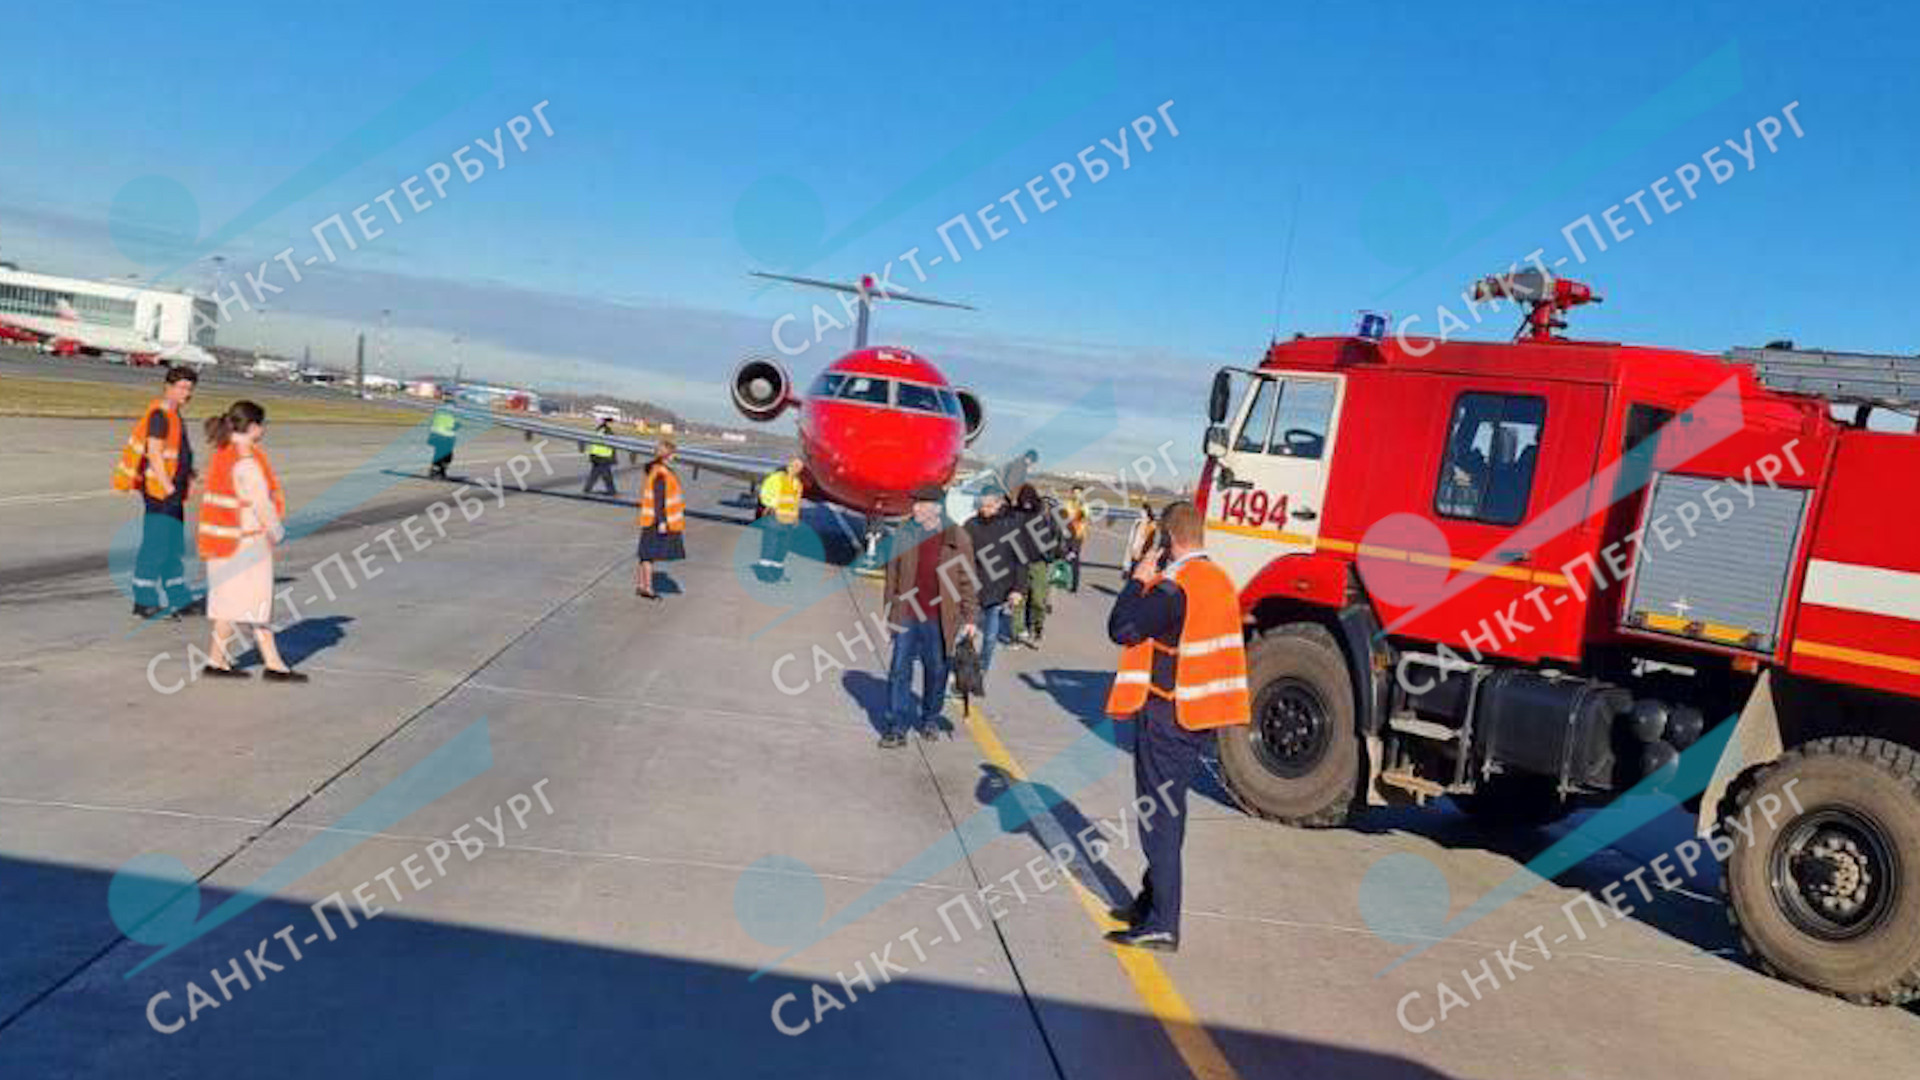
[401,995]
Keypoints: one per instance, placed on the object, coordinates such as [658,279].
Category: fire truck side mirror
[1220,398]
[1216,444]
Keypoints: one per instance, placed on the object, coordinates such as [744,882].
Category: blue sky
[610,256]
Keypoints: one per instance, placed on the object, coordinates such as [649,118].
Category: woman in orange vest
[240,521]
[1183,673]
[662,519]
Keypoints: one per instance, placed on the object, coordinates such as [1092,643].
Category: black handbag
[967,676]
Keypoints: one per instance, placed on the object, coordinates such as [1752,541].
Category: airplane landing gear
[872,560]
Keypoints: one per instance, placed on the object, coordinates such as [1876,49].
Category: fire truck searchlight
[1534,575]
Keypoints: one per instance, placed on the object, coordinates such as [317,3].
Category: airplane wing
[110,339]
[738,466]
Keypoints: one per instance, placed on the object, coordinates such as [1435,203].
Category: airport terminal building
[116,317]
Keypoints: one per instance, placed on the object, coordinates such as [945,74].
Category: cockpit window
[827,385]
[863,388]
[949,403]
[919,398]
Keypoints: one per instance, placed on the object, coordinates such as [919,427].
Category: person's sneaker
[1157,940]
[929,731]
[892,740]
[284,676]
[145,611]
[211,672]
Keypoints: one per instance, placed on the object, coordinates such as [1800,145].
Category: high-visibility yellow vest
[129,471]
[444,423]
[1210,663]
[780,493]
[600,450]
[673,515]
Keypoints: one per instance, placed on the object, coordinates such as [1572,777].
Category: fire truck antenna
[1286,264]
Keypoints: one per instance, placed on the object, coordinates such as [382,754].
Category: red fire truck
[1530,575]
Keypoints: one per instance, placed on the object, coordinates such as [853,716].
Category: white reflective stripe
[145,581]
[1211,645]
[219,530]
[1130,677]
[1876,590]
[1217,686]
[227,501]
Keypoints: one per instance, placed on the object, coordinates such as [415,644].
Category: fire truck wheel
[1298,762]
[1824,879]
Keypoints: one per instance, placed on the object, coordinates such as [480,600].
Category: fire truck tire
[1824,891]
[1298,762]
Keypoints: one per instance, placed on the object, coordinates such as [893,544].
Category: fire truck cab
[1534,575]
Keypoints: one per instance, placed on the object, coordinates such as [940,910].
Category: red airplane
[877,424]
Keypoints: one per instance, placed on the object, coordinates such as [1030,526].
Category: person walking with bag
[241,518]
[931,604]
[662,519]
[1043,535]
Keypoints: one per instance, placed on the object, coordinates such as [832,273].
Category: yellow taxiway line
[1197,1048]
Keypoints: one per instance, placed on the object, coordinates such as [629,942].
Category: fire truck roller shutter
[1299,761]
[1699,577]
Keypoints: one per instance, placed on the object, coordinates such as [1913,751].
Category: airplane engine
[974,413]
[761,389]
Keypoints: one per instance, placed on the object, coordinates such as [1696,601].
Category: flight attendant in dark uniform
[662,520]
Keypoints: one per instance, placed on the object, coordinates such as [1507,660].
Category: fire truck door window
[1493,444]
[1253,431]
[1306,411]
[1643,422]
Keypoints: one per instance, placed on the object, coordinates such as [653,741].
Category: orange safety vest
[1210,665]
[133,469]
[220,533]
[675,517]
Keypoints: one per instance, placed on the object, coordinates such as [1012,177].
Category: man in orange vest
[1183,673]
[157,461]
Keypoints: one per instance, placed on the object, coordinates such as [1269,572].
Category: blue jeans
[918,640]
[993,619]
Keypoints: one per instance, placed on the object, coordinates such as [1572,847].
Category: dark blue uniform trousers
[1166,758]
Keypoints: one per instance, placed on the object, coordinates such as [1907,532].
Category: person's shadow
[1083,694]
[870,692]
[302,640]
[1051,821]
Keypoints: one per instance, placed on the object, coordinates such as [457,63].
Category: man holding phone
[1182,673]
